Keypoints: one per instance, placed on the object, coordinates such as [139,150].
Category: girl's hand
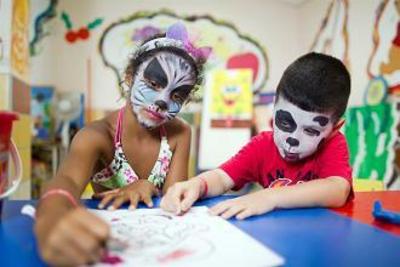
[245,206]
[181,196]
[76,238]
[141,190]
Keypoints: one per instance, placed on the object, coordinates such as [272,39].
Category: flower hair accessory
[177,36]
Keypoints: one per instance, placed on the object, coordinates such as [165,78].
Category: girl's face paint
[161,86]
[298,133]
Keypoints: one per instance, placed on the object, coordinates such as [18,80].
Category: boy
[303,162]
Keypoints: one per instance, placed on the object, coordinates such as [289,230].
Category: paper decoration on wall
[83,33]
[44,15]
[371,134]
[231,48]
[41,101]
[232,98]
[332,37]
[151,237]
[383,67]
[19,39]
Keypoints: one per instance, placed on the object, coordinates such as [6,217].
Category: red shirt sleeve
[243,167]
[334,159]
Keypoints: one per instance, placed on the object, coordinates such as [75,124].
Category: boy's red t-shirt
[260,161]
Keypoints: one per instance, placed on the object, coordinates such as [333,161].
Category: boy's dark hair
[317,83]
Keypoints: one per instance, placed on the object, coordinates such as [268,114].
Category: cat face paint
[161,86]
[298,133]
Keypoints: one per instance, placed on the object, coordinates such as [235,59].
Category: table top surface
[304,237]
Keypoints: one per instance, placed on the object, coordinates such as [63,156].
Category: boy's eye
[311,132]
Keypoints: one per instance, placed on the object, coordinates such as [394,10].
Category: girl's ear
[128,80]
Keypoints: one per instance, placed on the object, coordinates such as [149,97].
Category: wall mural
[332,37]
[383,67]
[231,49]
[371,132]
[83,33]
[46,10]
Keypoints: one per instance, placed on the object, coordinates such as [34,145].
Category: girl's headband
[177,36]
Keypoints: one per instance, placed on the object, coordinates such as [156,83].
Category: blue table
[304,237]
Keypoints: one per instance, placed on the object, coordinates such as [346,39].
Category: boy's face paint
[298,133]
[161,86]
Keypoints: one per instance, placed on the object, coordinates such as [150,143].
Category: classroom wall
[274,24]
[360,23]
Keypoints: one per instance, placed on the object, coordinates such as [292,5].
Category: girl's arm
[178,170]
[68,235]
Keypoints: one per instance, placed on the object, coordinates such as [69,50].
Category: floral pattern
[119,173]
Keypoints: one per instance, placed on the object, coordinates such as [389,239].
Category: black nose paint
[292,141]
[161,104]
[284,121]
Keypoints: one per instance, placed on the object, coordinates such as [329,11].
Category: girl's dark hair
[141,56]
[318,83]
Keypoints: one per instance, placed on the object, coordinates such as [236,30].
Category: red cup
[6,120]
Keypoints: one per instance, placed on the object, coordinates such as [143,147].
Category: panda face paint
[161,86]
[298,133]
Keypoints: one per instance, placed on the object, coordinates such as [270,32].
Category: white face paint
[298,133]
[161,86]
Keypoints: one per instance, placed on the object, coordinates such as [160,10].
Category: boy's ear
[337,127]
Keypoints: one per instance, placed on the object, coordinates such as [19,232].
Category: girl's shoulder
[99,132]
[177,129]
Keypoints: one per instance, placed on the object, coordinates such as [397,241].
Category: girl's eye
[177,98]
[153,84]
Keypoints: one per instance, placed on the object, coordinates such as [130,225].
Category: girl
[129,156]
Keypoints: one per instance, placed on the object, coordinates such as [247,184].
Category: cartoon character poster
[231,98]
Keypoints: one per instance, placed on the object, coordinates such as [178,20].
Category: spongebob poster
[231,102]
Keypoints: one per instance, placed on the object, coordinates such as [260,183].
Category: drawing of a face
[230,95]
[161,86]
[298,133]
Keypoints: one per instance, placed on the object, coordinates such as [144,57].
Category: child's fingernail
[101,206]
[111,208]
[131,207]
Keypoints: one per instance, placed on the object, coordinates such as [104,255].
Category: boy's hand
[76,238]
[181,196]
[141,190]
[245,206]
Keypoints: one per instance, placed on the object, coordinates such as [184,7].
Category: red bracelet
[205,185]
[61,192]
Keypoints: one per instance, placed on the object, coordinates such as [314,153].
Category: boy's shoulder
[336,142]
[264,136]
